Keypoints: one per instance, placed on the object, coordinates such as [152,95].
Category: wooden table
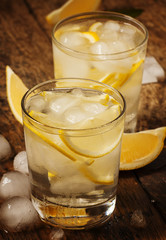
[25,45]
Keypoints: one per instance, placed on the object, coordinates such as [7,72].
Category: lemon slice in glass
[91,36]
[95,145]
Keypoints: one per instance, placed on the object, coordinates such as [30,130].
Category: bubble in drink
[20,162]
[18,214]
[14,184]
[5,148]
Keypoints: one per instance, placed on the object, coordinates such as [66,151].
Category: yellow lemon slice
[95,26]
[97,178]
[54,140]
[91,36]
[97,145]
[117,80]
[141,148]
[72,7]
[15,91]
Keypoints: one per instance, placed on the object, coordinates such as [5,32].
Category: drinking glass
[105,46]
[73,143]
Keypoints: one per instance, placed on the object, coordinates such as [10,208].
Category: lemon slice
[97,145]
[15,91]
[97,178]
[117,80]
[54,140]
[141,148]
[91,36]
[72,7]
[95,26]
[123,77]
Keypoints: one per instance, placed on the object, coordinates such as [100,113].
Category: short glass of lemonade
[105,46]
[73,143]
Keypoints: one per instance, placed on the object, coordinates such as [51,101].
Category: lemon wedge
[72,7]
[141,148]
[15,91]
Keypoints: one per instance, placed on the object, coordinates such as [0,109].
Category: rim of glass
[23,101]
[102,14]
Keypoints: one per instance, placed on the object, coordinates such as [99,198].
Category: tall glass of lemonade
[105,46]
[73,143]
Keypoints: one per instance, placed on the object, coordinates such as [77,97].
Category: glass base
[72,217]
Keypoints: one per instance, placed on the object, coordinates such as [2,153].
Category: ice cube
[60,104]
[77,92]
[148,77]
[20,162]
[5,148]
[93,108]
[14,184]
[72,39]
[18,214]
[117,47]
[112,26]
[74,184]
[137,219]
[153,68]
[74,115]
[128,29]
[36,103]
[57,234]
[99,47]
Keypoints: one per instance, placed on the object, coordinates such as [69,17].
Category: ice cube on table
[20,162]
[152,70]
[138,219]
[5,148]
[57,234]
[14,184]
[18,214]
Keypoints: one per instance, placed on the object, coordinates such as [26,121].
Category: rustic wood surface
[25,45]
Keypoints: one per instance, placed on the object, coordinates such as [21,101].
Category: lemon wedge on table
[72,7]
[141,148]
[15,91]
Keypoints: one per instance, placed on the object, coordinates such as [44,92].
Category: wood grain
[25,45]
